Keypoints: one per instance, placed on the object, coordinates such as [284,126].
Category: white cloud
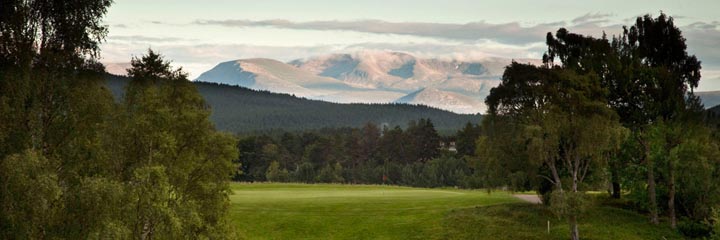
[507,32]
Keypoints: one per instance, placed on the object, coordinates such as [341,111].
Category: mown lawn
[330,211]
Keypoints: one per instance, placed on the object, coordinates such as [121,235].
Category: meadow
[334,211]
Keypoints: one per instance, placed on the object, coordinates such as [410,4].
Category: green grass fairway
[326,211]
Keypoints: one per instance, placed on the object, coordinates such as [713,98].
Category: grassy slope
[325,211]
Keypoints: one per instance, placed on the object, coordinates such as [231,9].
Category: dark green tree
[52,105]
[175,163]
[649,75]
[466,138]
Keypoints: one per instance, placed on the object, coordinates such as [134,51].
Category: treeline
[76,164]
[245,111]
[414,156]
[617,113]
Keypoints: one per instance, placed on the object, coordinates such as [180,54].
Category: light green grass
[328,211]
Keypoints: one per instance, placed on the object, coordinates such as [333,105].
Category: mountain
[272,75]
[241,110]
[391,70]
[443,99]
[117,68]
[709,99]
[369,77]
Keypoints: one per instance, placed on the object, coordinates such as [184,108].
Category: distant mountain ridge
[374,77]
[710,98]
[370,77]
[242,110]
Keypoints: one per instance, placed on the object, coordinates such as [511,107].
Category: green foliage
[305,173]
[694,229]
[275,174]
[362,155]
[715,223]
[178,163]
[152,166]
[466,138]
[565,204]
[32,196]
[99,207]
[151,198]
[330,174]
[642,79]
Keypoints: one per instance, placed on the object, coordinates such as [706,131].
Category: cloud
[140,38]
[199,58]
[592,18]
[425,39]
[703,40]
[507,33]
[463,52]
[512,32]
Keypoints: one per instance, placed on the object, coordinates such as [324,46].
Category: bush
[715,221]
[694,229]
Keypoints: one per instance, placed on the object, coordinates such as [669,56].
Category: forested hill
[241,110]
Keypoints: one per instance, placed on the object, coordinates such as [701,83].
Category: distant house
[452,147]
[449,146]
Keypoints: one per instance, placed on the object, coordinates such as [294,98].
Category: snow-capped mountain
[272,75]
[371,77]
[117,68]
[398,71]
[444,100]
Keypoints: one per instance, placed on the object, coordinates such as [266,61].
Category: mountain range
[375,77]
[370,77]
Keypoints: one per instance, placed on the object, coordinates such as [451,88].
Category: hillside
[242,110]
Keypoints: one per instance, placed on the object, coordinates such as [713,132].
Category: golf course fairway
[335,211]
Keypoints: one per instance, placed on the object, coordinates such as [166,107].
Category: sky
[197,35]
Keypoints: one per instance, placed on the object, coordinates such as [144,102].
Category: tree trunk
[616,190]
[615,183]
[651,182]
[651,191]
[671,195]
[574,233]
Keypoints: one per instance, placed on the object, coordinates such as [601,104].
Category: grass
[528,221]
[326,211]
[330,211]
